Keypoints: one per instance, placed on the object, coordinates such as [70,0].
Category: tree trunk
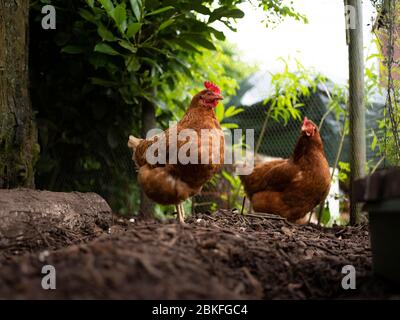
[18,135]
[148,122]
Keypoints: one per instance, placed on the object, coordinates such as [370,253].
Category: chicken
[197,137]
[292,187]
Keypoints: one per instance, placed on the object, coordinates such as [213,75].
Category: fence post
[356,99]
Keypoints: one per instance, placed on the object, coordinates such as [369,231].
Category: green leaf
[107,5]
[85,14]
[90,3]
[98,60]
[104,83]
[136,8]
[127,45]
[72,49]
[230,125]
[200,40]
[133,29]
[229,178]
[224,12]
[219,112]
[200,8]
[166,24]
[105,48]
[233,111]
[105,34]
[234,13]
[119,16]
[153,63]
[374,142]
[182,66]
[218,34]
[326,216]
[159,11]
[132,64]
[186,45]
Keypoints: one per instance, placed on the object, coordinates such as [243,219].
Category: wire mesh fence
[274,138]
[277,141]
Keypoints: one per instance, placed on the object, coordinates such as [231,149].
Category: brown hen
[177,179]
[292,187]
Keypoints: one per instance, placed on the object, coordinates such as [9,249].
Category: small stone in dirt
[201,222]
[286,263]
[309,254]
[294,286]
[287,231]
[301,244]
[43,255]
[132,220]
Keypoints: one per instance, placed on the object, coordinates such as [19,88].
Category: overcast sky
[320,44]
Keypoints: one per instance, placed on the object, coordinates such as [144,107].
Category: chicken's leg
[181,213]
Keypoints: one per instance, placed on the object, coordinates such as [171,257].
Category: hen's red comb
[213,87]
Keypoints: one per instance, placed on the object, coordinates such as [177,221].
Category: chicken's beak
[219,97]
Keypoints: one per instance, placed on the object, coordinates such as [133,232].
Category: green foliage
[383,141]
[385,28]
[325,215]
[234,196]
[344,171]
[222,114]
[288,88]
[280,9]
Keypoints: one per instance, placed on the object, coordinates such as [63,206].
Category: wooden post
[356,100]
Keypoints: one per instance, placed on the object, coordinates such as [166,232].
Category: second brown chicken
[292,187]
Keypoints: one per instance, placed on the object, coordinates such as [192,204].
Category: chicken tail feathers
[162,187]
[133,142]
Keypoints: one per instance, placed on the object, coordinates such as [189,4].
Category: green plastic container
[384,224]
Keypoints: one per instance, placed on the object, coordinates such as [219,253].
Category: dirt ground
[218,256]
